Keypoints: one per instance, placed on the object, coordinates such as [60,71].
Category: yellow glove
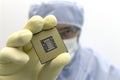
[18,60]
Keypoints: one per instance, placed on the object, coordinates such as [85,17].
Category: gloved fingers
[9,54]
[51,70]
[19,39]
[35,24]
[50,21]
[27,47]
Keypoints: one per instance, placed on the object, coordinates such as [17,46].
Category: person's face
[67,31]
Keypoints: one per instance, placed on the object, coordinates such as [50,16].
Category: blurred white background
[100,30]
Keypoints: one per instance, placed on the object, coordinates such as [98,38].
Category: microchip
[48,45]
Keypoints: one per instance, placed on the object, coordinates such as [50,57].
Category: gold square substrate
[48,45]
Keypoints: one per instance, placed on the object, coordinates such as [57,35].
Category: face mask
[72,45]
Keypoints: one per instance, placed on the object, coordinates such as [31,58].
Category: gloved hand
[18,60]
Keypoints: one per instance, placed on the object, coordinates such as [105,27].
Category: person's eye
[68,31]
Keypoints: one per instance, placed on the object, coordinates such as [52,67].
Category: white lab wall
[14,14]
[100,30]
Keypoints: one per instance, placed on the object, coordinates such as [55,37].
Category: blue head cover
[66,12]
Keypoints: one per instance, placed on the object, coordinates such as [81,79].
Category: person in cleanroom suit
[18,60]
[86,64]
